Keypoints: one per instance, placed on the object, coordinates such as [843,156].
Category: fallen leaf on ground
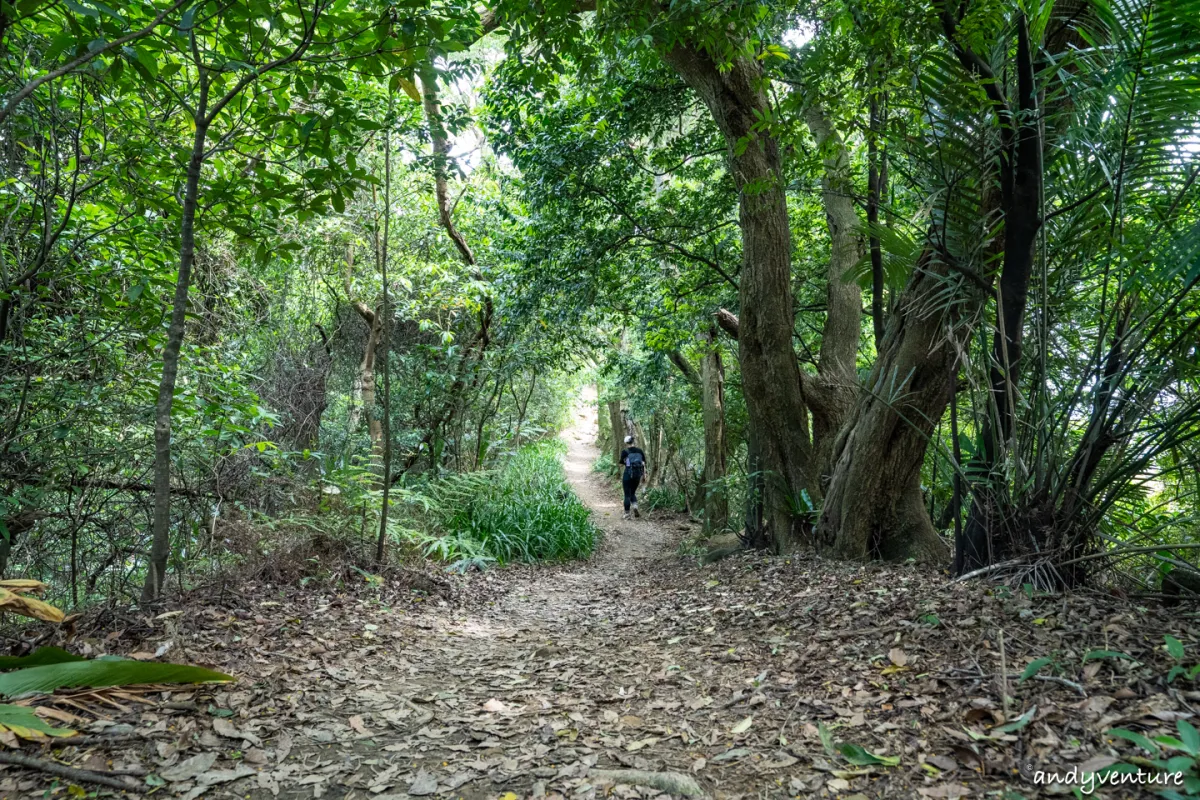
[423,784]
[190,768]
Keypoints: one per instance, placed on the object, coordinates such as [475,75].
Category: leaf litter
[758,676]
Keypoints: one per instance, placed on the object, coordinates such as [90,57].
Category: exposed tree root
[70,773]
[672,782]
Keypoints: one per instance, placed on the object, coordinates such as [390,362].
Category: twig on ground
[1119,552]
[182,705]
[1003,674]
[1179,698]
[90,739]
[986,570]
[70,773]
[783,727]
[1070,684]
[426,714]
[1062,681]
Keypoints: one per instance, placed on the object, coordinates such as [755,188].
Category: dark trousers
[630,484]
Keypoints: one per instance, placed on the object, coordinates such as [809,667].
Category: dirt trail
[522,694]
[625,540]
[555,595]
[531,680]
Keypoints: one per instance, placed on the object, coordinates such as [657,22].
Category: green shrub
[523,511]
[663,497]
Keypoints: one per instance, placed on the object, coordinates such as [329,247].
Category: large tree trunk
[831,396]
[873,508]
[160,545]
[737,100]
[712,396]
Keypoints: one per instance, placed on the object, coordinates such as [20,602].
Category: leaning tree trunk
[1020,174]
[831,395]
[736,97]
[471,361]
[712,395]
[160,545]
[873,508]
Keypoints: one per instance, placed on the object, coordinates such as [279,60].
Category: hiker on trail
[634,461]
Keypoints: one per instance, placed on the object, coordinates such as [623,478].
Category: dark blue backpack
[635,463]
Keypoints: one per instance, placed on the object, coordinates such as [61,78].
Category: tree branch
[689,372]
[71,773]
[33,85]
[490,20]
[728,322]
[441,157]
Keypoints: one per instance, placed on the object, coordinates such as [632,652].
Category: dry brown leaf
[742,726]
[16,603]
[968,758]
[944,763]
[23,586]
[230,731]
[423,784]
[190,768]
[50,712]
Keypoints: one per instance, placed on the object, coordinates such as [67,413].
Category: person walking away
[634,461]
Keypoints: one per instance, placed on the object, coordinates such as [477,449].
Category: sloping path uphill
[561,681]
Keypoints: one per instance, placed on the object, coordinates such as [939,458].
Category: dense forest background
[288,285]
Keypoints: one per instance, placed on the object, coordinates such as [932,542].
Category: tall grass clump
[522,511]
[669,498]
